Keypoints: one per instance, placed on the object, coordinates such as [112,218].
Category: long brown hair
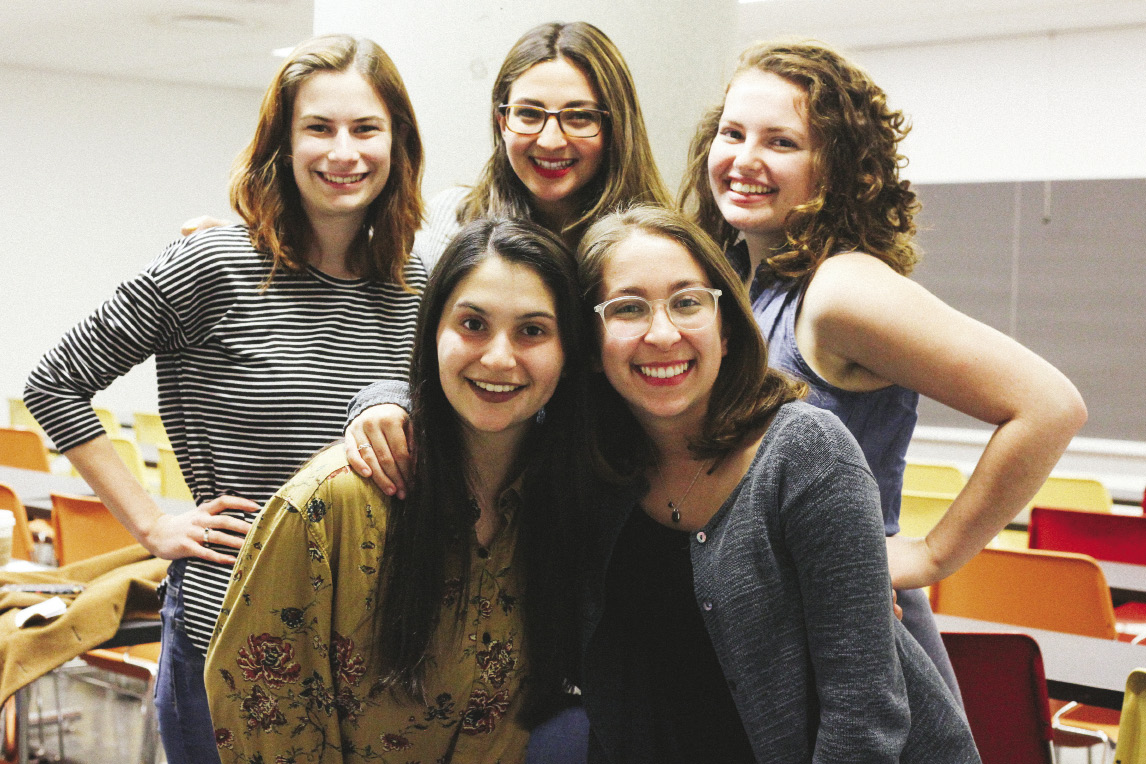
[860,202]
[628,172]
[747,392]
[263,189]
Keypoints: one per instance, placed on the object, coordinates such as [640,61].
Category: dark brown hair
[263,189]
[860,202]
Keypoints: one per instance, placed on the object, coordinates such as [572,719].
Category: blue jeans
[564,739]
[180,696]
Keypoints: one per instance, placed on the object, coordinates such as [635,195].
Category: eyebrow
[372,118]
[674,287]
[482,311]
[568,104]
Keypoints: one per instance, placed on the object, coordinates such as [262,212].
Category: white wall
[1064,107]
[99,173]
[674,49]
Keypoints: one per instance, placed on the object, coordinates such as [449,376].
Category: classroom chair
[171,482]
[1132,730]
[108,420]
[1054,591]
[140,662]
[1004,692]
[128,451]
[1073,493]
[932,477]
[920,510]
[20,416]
[84,528]
[22,447]
[22,541]
[149,430]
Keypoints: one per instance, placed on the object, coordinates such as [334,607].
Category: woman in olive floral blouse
[359,627]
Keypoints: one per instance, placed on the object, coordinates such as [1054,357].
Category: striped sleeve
[441,226]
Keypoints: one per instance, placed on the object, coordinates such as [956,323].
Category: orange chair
[22,541]
[23,448]
[1054,591]
[1004,692]
[84,528]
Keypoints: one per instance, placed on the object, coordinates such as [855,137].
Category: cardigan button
[707,605]
[701,537]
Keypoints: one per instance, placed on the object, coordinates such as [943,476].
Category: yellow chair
[84,527]
[20,416]
[1054,591]
[148,428]
[22,541]
[22,447]
[1132,729]
[920,511]
[129,453]
[108,420]
[171,482]
[1073,493]
[933,478]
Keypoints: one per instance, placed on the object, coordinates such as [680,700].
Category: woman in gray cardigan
[738,602]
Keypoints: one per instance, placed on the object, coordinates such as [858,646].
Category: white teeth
[553,164]
[489,386]
[664,372]
[344,178]
[741,187]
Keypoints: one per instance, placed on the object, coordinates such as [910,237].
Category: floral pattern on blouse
[289,673]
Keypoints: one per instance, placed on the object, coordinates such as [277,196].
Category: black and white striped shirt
[251,382]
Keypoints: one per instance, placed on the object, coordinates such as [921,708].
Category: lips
[749,189]
[552,168]
[493,392]
[342,180]
[664,373]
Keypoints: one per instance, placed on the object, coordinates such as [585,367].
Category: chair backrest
[919,511]
[1073,493]
[84,528]
[22,542]
[933,477]
[1132,727]
[22,447]
[1004,692]
[109,421]
[1056,591]
[148,428]
[1117,538]
[171,482]
[129,453]
[20,416]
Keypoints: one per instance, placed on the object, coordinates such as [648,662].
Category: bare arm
[863,326]
[170,537]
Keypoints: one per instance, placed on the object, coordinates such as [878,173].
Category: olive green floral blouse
[289,672]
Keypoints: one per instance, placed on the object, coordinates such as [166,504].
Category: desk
[1127,581]
[1086,669]
[34,489]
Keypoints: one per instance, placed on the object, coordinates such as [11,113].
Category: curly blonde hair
[860,203]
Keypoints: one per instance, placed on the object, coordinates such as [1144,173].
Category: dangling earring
[540,418]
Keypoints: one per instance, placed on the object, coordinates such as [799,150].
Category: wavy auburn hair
[628,172]
[860,202]
[263,189]
[747,392]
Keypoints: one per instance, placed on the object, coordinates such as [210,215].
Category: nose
[662,331]
[341,146]
[499,353]
[551,136]
[749,157]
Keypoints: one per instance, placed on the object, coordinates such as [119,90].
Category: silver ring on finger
[364,447]
[206,536]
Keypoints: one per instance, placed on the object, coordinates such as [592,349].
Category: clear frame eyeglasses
[688,309]
[531,120]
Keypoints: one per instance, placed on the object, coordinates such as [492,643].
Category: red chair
[1005,695]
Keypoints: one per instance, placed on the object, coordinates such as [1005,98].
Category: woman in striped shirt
[262,332]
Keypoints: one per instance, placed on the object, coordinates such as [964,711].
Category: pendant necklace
[676,505]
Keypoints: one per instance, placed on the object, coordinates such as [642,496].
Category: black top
[650,583]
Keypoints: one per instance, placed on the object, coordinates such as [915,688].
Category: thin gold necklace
[676,505]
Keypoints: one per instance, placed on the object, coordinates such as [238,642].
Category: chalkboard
[1061,267]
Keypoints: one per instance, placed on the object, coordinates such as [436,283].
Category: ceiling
[228,42]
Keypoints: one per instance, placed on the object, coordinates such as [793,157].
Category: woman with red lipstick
[738,606]
[261,333]
[796,173]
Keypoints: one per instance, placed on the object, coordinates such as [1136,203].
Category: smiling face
[665,375]
[340,146]
[553,166]
[499,349]
[760,165]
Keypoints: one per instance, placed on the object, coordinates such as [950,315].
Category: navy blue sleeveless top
[882,421]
